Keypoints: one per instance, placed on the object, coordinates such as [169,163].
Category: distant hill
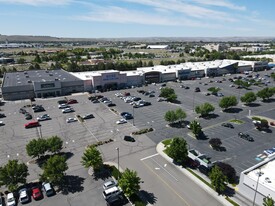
[24,38]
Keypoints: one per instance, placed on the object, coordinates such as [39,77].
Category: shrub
[256,118]
[115,172]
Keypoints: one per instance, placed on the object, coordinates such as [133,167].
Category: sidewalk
[221,199]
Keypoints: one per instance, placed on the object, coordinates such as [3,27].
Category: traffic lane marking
[171,188]
[149,157]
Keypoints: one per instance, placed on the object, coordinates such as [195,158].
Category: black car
[197,89]
[28,116]
[62,101]
[228,125]
[111,105]
[88,116]
[39,109]
[147,103]
[2,115]
[95,101]
[186,87]
[22,111]
[129,138]
[124,113]
[245,136]
[128,116]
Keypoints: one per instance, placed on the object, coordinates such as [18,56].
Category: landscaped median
[174,149]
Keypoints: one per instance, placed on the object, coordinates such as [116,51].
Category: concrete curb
[160,147]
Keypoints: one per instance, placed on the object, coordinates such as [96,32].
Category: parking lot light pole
[133,116]
[118,162]
[193,101]
[259,174]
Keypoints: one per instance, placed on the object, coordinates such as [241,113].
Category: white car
[11,200]
[62,106]
[121,121]
[43,117]
[23,196]
[109,184]
[67,110]
[69,120]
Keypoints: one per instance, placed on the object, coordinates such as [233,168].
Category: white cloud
[37,2]
[221,3]
[122,15]
[189,9]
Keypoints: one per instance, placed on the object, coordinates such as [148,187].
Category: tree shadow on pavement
[233,110]
[72,184]
[253,104]
[229,192]
[210,116]
[104,173]
[148,197]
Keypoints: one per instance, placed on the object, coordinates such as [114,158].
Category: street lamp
[133,116]
[118,162]
[259,174]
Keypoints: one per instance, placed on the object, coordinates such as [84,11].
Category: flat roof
[89,74]
[267,175]
[22,78]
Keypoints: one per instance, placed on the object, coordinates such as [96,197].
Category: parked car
[28,116]
[22,111]
[111,192]
[23,196]
[197,89]
[11,200]
[245,136]
[39,109]
[128,116]
[72,101]
[67,110]
[32,124]
[48,189]
[207,94]
[220,95]
[1,123]
[88,116]
[186,87]
[63,101]
[2,115]
[43,117]
[70,119]
[111,105]
[95,101]
[109,184]
[63,106]
[121,121]
[36,193]
[229,125]
[129,138]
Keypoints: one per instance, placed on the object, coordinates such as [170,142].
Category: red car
[72,101]
[36,193]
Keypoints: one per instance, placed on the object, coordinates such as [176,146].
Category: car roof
[111,182]
[23,193]
[10,195]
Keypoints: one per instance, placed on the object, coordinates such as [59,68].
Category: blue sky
[138,18]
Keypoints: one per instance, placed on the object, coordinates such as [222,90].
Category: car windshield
[11,199]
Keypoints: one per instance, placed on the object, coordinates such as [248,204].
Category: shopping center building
[48,83]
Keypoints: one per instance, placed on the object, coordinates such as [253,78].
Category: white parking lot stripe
[149,156]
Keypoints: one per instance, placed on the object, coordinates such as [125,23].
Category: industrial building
[45,83]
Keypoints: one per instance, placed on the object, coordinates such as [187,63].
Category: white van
[113,191]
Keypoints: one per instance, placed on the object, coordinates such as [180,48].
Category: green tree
[21,61]
[178,150]
[54,144]
[13,174]
[227,102]
[273,76]
[172,98]
[36,147]
[37,59]
[268,201]
[170,116]
[204,109]
[166,92]
[265,93]
[129,182]
[92,158]
[54,169]
[214,90]
[218,179]
[196,128]
[249,97]
[180,114]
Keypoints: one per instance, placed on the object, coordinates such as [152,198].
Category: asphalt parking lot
[239,153]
